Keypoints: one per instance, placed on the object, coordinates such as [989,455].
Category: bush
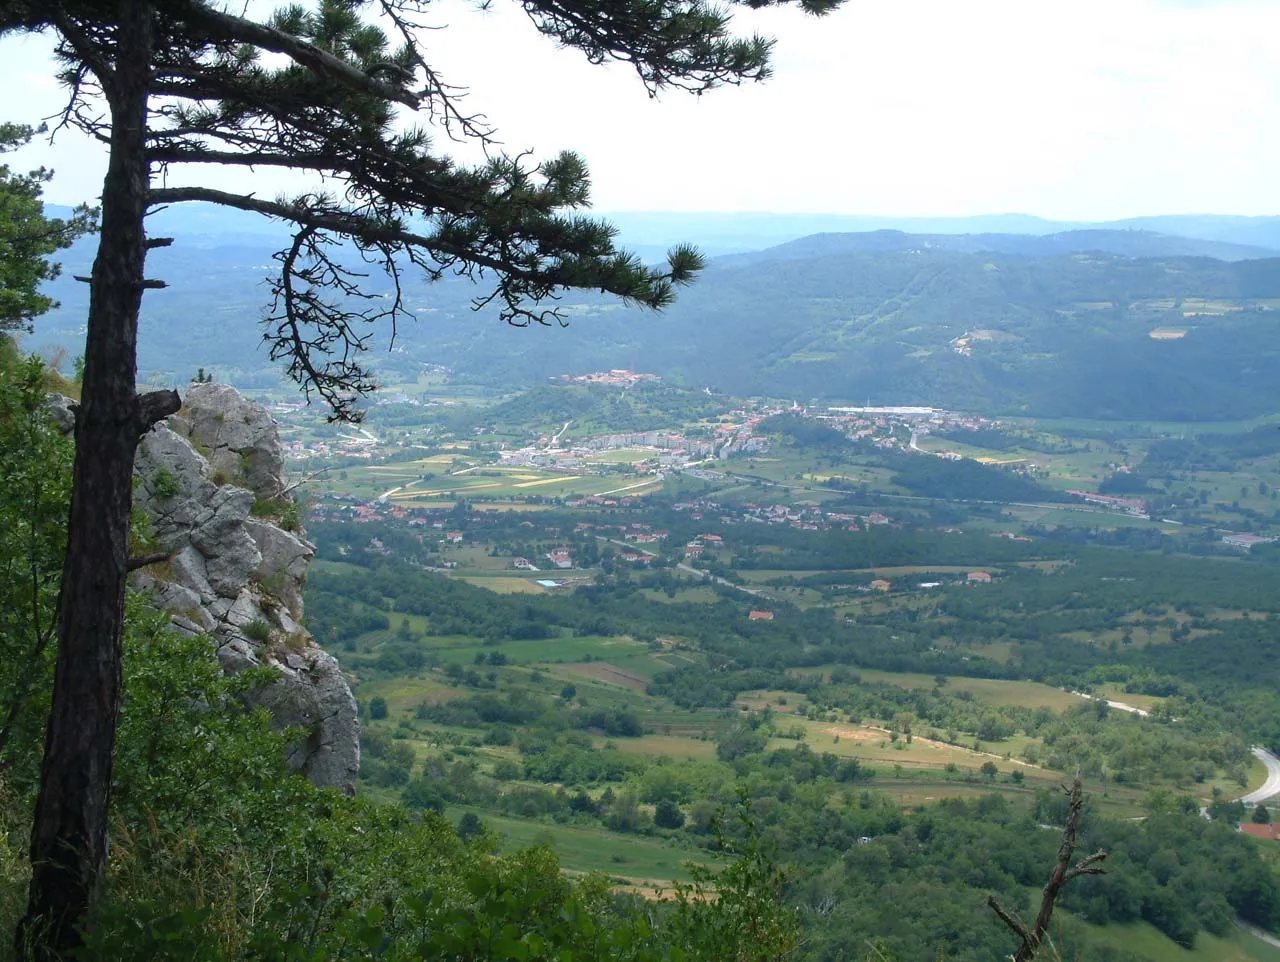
[470,826]
[163,484]
[423,795]
[258,630]
[378,708]
[668,815]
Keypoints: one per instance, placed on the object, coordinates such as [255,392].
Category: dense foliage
[28,237]
[868,870]
[35,475]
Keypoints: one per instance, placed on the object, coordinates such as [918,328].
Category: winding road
[1118,705]
[683,566]
[1272,785]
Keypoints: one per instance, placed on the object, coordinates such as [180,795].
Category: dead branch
[147,559]
[1063,872]
[289,488]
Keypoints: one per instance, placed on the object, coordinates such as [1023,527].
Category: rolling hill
[1127,324]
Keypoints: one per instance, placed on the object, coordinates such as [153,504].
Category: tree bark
[69,837]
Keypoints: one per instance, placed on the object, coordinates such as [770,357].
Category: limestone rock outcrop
[211,481]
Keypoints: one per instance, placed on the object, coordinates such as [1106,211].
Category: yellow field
[873,745]
[540,481]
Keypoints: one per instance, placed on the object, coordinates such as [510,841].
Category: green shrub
[163,484]
[258,630]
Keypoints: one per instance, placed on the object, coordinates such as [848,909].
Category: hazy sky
[1073,109]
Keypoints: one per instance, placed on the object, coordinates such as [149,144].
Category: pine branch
[339,222]
[234,158]
[84,46]
[320,62]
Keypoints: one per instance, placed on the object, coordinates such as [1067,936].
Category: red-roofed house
[1261,831]
[980,577]
[761,616]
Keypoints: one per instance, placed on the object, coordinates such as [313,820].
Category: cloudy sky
[1072,109]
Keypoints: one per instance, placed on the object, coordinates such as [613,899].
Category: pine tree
[186,85]
[27,237]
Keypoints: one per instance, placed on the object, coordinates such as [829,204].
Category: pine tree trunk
[69,838]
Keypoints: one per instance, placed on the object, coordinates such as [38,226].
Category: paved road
[1258,933]
[1118,705]
[683,566]
[690,569]
[1269,789]
[1272,785]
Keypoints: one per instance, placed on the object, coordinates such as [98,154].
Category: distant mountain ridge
[1129,324]
[1128,243]
[1089,335]
[743,231]
[651,232]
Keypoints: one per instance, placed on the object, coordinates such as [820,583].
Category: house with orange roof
[1267,832]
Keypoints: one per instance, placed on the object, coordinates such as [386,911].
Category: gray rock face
[238,578]
[284,559]
[62,410]
[239,435]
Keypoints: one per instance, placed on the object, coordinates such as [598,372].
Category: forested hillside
[1050,326]
[902,774]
